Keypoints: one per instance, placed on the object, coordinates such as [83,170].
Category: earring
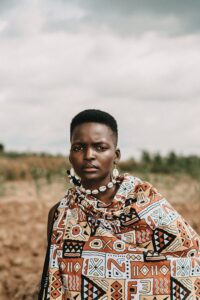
[72,172]
[74,179]
[115,172]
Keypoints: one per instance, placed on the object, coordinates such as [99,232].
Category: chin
[90,176]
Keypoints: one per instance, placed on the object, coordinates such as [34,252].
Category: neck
[94,184]
[107,196]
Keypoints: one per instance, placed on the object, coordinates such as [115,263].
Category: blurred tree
[172,158]
[157,163]
[145,162]
[172,162]
[146,158]
[2,148]
[129,165]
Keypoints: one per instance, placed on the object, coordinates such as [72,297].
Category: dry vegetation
[24,208]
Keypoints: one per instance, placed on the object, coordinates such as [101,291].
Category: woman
[114,236]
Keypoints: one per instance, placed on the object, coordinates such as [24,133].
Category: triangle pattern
[129,218]
[90,290]
[162,239]
[178,290]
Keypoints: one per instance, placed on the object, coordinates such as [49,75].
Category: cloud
[124,18]
[147,77]
[130,17]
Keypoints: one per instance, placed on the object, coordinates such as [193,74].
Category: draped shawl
[138,248]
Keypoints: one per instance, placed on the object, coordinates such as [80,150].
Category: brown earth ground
[24,208]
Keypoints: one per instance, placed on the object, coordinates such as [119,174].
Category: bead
[84,203]
[94,192]
[88,192]
[102,188]
[82,189]
[110,185]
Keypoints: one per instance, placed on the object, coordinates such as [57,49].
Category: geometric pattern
[164,270]
[72,248]
[116,266]
[77,232]
[137,249]
[128,218]
[162,239]
[139,287]
[143,234]
[90,290]
[116,291]
[56,287]
[183,267]
[96,267]
[197,287]
[93,223]
[195,271]
[160,217]
[178,290]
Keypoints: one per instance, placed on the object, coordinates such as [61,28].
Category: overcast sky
[138,60]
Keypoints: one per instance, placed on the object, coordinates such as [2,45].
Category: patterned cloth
[136,248]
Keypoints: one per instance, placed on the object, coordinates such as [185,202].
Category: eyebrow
[95,143]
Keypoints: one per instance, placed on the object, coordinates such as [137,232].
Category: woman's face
[93,153]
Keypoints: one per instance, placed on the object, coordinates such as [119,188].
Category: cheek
[75,160]
[108,159]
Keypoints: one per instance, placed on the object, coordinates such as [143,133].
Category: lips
[89,166]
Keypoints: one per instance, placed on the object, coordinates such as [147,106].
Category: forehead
[92,131]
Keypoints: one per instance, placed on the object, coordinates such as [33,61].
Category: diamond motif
[144,270]
[116,285]
[117,296]
[55,294]
[164,270]
[56,284]
[77,267]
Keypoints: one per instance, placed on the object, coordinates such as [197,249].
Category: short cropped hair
[97,116]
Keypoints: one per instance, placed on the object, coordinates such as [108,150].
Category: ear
[117,156]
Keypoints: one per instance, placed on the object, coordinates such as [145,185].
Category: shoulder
[51,215]
[142,191]
[62,203]
[137,184]
[53,209]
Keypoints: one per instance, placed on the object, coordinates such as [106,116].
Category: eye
[100,148]
[77,148]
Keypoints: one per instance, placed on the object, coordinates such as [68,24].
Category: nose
[89,153]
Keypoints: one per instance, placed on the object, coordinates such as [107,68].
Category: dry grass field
[24,207]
